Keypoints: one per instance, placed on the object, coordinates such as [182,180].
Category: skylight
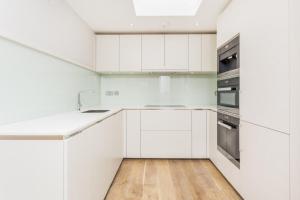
[166,7]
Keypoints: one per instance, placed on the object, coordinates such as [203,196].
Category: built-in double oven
[228,100]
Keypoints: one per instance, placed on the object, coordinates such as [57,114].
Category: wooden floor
[170,180]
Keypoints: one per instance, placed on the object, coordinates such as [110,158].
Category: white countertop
[62,126]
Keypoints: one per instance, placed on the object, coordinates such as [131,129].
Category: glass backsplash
[154,89]
[33,84]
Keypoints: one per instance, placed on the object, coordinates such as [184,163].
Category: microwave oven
[229,58]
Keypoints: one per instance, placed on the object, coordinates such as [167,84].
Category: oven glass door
[228,97]
[228,139]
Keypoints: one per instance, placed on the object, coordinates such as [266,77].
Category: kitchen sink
[95,111]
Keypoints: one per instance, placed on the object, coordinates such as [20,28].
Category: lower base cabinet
[166,144]
[93,158]
[79,168]
[264,163]
[166,134]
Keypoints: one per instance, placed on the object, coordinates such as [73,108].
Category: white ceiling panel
[105,16]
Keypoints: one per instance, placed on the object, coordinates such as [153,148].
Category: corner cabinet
[156,53]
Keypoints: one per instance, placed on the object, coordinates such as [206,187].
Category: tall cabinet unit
[295,98]
[265,92]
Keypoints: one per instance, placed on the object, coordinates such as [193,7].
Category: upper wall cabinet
[130,53]
[153,52]
[195,52]
[157,52]
[209,53]
[176,52]
[107,53]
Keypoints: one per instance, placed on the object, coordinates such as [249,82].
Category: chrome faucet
[79,103]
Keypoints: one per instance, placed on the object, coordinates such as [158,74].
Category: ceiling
[109,16]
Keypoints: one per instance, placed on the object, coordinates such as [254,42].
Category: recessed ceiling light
[132,25]
[166,7]
[197,24]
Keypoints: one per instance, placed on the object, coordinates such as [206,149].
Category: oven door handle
[225,89]
[224,125]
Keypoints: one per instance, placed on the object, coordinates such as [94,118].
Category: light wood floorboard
[154,179]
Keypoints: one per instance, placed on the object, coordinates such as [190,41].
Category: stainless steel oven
[229,58]
[228,137]
[228,93]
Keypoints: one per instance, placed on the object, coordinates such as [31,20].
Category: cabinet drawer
[166,144]
[166,120]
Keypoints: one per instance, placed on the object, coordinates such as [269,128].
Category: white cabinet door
[209,53]
[31,169]
[176,52]
[166,144]
[212,134]
[195,52]
[92,159]
[199,134]
[166,120]
[131,53]
[107,53]
[264,163]
[153,52]
[133,133]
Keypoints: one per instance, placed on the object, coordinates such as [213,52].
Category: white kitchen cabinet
[212,134]
[166,144]
[264,59]
[199,134]
[295,99]
[166,120]
[131,53]
[133,133]
[107,53]
[209,53]
[176,52]
[264,163]
[195,52]
[92,159]
[31,169]
[153,52]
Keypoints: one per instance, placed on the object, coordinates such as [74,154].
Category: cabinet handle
[225,89]
[224,125]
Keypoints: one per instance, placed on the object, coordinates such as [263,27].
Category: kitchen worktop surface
[64,125]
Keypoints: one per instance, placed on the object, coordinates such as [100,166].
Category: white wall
[295,97]
[50,26]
